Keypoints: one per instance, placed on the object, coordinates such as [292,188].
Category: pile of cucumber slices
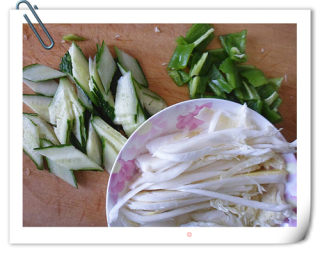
[82,121]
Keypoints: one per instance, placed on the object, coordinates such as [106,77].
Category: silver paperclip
[40,23]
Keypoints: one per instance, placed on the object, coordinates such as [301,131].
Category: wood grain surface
[47,200]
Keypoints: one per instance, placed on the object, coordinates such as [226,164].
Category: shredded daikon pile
[227,172]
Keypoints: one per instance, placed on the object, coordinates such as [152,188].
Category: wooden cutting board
[47,200]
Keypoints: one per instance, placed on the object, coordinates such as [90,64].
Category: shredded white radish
[219,174]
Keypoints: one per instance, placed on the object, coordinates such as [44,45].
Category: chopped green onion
[274,106]
[235,45]
[197,67]
[229,68]
[73,37]
[255,77]
[197,86]
[218,79]
[271,115]
[196,31]
[180,77]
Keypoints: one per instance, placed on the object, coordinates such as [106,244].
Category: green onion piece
[217,55]
[73,37]
[210,95]
[251,92]
[266,91]
[255,77]
[181,41]
[271,115]
[180,57]
[196,55]
[276,82]
[195,32]
[218,79]
[217,91]
[235,45]
[275,105]
[272,98]
[244,67]
[197,67]
[180,77]
[255,105]
[197,86]
[229,68]
[182,53]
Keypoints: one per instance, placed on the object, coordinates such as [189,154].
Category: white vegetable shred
[229,173]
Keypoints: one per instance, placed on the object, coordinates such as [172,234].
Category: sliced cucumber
[79,129]
[78,110]
[121,68]
[39,73]
[46,88]
[105,131]
[126,101]
[45,130]
[84,99]
[109,154]
[102,98]
[63,129]
[80,68]
[106,66]
[31,141]
[65,110]
[131,124]
[95,81]
[93,148]
[128,110]
[131,64]
[69,157]
[60,107]
[150,100]
[62,172]
[39,104]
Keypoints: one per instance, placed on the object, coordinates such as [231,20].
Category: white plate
[172,119]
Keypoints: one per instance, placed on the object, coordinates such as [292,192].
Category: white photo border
[106,235]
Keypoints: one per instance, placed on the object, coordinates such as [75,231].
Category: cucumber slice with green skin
[45,130]
[128,110]
[39,104]
[96,85]
[84,99]
[65,112]
[62,172]
[102,98]
[45,88]
[106,66]
[109,154]
[131,64]
[150,100]
[93,147]
[95,80]
[79,129]
[131,124]
[60,107]
[63,129]
[69,157]
[31,141]
[107,132]
[126,101]
[39,73]
[80,68]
